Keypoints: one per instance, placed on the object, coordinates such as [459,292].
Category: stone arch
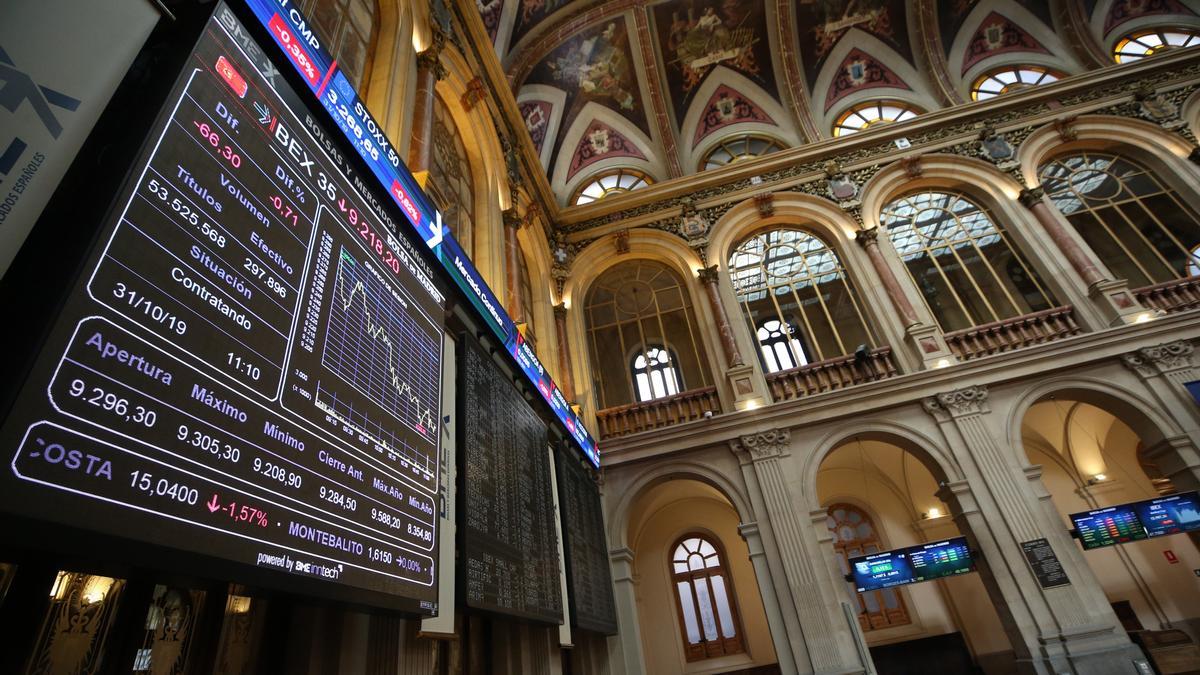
[392,86]
[1130,407]
[932,455]
[644,244]
[820,217]
[1108,40]
[989,188]
[733,491]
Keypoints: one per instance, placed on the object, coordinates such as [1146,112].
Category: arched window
[733,149]
[640,320]
[610,183]
[347,29]
[526,290]
[1010,78]
[1145,43]
[854,534]
[704,596]
[1138,226]
[450,182]
[797,298]
[871,113]
[963,262]
[653,374]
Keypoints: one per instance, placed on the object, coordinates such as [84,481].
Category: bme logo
[16,88]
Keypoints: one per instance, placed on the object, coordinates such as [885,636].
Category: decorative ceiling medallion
[537,119]
[1126,10]
[998,35]
[601,141]
[727,107]
[860,70]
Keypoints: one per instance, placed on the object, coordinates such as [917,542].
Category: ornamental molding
[958,403]
[1165,358]
[966,137]
[770,444]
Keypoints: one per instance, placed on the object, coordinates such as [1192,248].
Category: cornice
[1073,354]
[954,128]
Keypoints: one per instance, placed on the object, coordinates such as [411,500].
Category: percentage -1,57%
[238,512]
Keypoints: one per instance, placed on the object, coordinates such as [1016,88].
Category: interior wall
[896,489]
[1072,441]
[660,517]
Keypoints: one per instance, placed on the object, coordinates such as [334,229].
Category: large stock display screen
[1135,521]
[250,366]
[509,548]
[912,564]
[590,581]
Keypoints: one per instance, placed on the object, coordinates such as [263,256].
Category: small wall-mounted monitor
[912,564]
[1124,523]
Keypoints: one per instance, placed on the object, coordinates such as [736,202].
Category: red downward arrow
[213,505]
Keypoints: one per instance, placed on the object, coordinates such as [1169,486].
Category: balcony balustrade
[1177,295]
[1018,332]
[657,413]
[831,374]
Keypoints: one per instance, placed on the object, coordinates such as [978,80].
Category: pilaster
[770,595]
[1059,628]
[632,660]
[829,650]
[1165,369]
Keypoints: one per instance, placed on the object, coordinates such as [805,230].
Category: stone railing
[1015,333]
[657,413]
[1176,295]
[830,374]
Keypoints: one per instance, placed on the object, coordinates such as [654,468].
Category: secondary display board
[912,564]
[250,365]
[509,549]
[1134,521]
[588,575]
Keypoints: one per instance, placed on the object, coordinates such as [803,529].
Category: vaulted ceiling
[656,86]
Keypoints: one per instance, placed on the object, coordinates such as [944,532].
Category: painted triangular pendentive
[601,141]
[725,107]
[1126,10]
[859,70]
[998,35]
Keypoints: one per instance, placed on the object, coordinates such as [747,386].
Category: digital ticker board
[912,564]
[250,366]
[1135,521]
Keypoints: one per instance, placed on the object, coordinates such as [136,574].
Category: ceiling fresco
[727,107]
[654,83]
[1125,10]
[858,71]
[594,66]
[997,34]
[953,13]
[696,36]
[821,24]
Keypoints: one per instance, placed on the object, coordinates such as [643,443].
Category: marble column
[1164,370]
[512,260]
[829,649]
[631,660]
[708,278]
[1064,628]
[868,239]
[566,376]
[420,144]
[1112,295]
[928,342]
[770,596]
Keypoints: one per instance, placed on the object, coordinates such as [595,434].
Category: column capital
[769,444]
[512,218]
[430,59]
[1163,358]
[560,311]
[1031,195]
[708,275]
[867,237]
[958,403]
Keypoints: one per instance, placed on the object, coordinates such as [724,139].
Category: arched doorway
[882,492]
[1097,450]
